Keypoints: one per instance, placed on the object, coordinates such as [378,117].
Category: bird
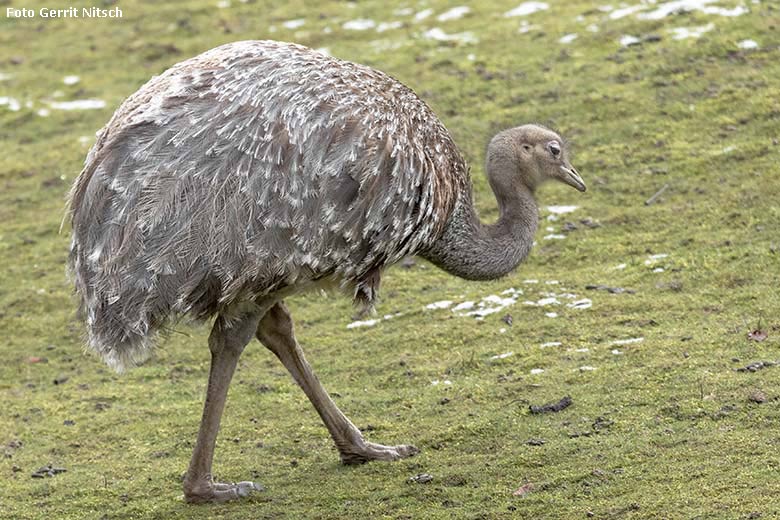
[259,170]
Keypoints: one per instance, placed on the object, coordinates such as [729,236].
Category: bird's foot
[368,451]
[215,492]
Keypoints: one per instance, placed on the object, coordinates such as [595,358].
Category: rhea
[258,170]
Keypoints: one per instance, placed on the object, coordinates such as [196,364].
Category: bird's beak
[570,176]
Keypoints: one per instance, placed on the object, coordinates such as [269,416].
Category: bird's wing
[264,164]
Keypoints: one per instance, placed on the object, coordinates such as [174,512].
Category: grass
[667,428]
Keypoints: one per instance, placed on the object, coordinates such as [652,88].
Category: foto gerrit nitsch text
[69,12]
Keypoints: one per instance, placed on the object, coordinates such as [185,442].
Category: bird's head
[531,154]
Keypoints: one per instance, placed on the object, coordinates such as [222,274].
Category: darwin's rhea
[258,170]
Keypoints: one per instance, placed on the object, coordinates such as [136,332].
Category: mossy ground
[665,429]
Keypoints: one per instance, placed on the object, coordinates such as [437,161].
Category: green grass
[665,429]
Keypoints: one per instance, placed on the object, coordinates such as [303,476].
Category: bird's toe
[369,451]
[217,492]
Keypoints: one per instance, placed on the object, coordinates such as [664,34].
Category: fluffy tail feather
[121,343]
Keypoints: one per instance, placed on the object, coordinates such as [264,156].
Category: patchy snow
[585,303]
[682,33]
[651,10]
[582,349]
[568,38]
[625,11]
[744,44]
[422,15]
[619,267]
[223,4]
[489,305]
[587,368]
[554,236]
[552,282]
[372,322]
[617,352]
[4,76]
[404,11]
[592,28]
[493,303]
[12,103]
[652,258]
[492,298]
[43,112]
[551,344]
[454,13]
[531,281]
[463,306]
[71,80]
[628,40]
[658,256]
[387,26]
[627,341]
[439,35]
[439,305]
[527,8]
[535,371]
[293,24]
[658,270]
[364,323]
[668,8]
[502,356]
[435,382]
[361,24]
[562,210]
[78,104]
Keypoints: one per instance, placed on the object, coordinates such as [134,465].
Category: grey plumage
[253,168]
[260,169]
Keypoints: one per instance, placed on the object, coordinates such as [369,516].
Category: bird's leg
[226,342]
[276,333]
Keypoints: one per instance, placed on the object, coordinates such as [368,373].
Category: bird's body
[259,169]
[252,168]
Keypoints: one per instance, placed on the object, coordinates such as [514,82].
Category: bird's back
[254,167]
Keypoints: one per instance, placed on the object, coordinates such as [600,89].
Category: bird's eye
[554,148]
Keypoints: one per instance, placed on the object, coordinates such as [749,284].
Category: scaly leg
[277,334]
[226,342]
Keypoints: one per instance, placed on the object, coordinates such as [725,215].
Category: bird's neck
[475,251]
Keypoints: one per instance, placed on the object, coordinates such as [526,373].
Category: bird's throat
[475,251]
